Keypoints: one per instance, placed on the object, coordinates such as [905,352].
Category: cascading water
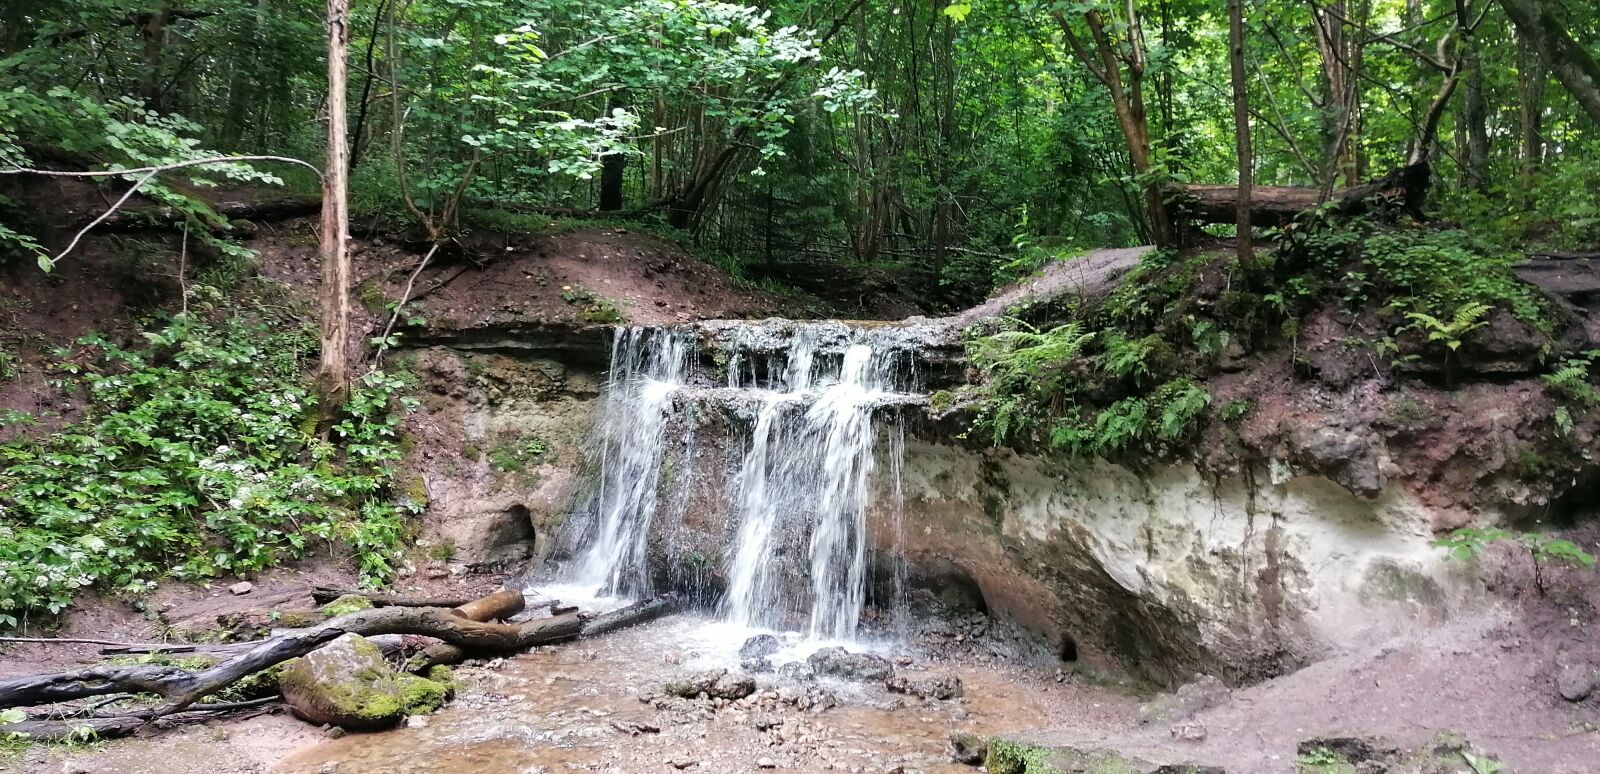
[647,367]
[818,399]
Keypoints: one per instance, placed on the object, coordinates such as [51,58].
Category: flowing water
[822,449]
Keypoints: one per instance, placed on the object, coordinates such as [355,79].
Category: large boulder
[348,683]
[841,663]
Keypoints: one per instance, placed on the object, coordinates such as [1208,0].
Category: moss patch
[346,604]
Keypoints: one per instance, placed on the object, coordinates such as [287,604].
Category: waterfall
[647,367]
[818,401]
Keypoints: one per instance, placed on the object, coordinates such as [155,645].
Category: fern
[1182,401]
[1468,318]
[1126,358]
[1571,379]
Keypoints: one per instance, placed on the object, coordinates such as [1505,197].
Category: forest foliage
[953,145]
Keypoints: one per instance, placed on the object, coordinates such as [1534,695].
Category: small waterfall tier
[818,412]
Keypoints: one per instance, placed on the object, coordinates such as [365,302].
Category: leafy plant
[1571,379]
[198,457]
[1468,543]
[1468,318]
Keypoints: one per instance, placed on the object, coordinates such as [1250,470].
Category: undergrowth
[199,455]
[1126,374]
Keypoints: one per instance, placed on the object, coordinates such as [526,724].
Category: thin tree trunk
[334,367]
[1241,126]
[151,84]
[1530,96]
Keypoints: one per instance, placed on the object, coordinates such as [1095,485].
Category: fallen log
[325,594]
[593,626]
[632,615]
[496,607]
[182,688]
[1275,206]
[258,211]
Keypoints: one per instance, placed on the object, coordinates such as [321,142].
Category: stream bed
[578,707]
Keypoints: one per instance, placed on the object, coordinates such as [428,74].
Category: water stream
[821,450]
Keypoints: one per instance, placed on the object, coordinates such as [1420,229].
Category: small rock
[634,727]
[241,588]
[942,688]
[333,732]
[757,665]
[759,645]
[795,670]
[1189,732]
[838,662]
[766,763]
[1575,681]
[681,762]
[416,721]
[968,749]
[330,767]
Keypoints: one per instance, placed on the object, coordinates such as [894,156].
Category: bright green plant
[1571,379]
[198,457]
[1469,542]
[1468,318]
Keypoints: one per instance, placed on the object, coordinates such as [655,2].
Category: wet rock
[348,683]
[840,663]
[715,684]
[1351,458]
[757,665]
[1200,694]
[759,645]
[766,763]
[798,671]
[241,588]
[816,700]
[942,688]
[634,727]
[968,749]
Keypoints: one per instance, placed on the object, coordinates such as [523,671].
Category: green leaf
[45,264]
[958,11]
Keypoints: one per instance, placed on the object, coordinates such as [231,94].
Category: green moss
[420,694]
[1014,758]
[346,604]
[192,663]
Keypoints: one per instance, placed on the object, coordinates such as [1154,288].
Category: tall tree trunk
[1474,117]
[151,84]
[1530,98]
[1241,125]
[613,170]
[365,105]
[1572,65]
[334,366]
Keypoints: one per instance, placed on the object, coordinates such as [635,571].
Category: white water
[805,483]
[647,367]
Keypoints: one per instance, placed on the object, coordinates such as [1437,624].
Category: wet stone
[759,646]
[942,688]
[840,663]
[796,670]
[968,749]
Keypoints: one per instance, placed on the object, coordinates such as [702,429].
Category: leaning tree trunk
[1572,65]
[334,366]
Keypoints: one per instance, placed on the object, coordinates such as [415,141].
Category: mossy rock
[345,605]
[348,683]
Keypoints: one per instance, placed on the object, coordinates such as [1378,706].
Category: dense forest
[963,143]
[1196,336]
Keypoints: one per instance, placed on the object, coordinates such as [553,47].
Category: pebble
[241,588]
[766,763]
